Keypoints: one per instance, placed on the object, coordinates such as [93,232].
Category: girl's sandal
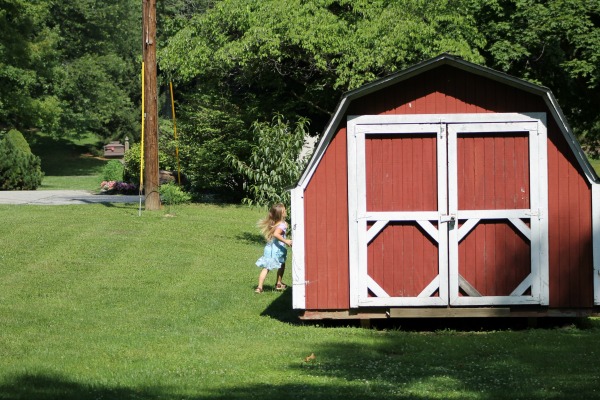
[258,290]
[281,286]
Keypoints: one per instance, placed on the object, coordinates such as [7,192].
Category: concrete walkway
[62,197]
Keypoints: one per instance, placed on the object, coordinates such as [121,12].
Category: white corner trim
[596,240]
[298,250]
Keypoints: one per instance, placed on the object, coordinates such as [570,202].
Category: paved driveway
[61,197]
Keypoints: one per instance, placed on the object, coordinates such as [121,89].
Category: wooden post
[151,106]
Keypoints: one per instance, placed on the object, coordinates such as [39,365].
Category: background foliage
[274,164]
[71,67]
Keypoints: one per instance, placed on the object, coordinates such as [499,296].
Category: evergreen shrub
[18,140]
[19,168]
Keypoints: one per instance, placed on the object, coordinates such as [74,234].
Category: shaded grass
[68,163]
[112,305]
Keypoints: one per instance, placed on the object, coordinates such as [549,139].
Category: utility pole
[151,182]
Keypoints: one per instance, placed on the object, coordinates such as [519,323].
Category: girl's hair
[268,224]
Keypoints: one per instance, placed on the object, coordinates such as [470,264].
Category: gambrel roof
[456,62]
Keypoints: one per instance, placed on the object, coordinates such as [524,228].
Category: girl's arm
[278,234]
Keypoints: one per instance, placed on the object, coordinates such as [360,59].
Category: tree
[69,66]
[97,65]
[26,48]
[241,61]
[297,57]
[555,43]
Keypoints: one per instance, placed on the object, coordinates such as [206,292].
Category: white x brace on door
[495,255]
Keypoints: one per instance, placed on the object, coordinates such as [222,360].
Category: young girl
[273,227]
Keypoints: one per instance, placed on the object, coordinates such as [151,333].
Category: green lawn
[99,303]
[68,163]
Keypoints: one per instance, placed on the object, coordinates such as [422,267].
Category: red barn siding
[446,90]
[483,261]
[326,235]
[411,183]
[413,254]
[493,174]
[570,230]
[480,159]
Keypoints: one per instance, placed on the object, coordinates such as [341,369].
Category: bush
[131,163]
[113,171]
[131,172]
[274,165]
[171,194]
[19,168]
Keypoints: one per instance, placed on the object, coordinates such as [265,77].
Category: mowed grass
[68,163]
[99,303]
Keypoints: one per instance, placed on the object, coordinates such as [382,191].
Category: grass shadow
[53,387]
[250,238]
[62,157]
[281,309]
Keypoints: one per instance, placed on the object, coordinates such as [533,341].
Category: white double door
[461,220]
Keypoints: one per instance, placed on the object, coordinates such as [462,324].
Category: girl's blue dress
[274,254]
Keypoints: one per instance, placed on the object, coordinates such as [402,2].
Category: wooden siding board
[311,240]
[500,171]
[505,285]
[396,170]
[586,269]
[407,181]
[512,187]
[343,300]
[387,181]
[553,228]
[523,171]
[563,226]
[429,178]
[574,238]
[330,243]
[419,262]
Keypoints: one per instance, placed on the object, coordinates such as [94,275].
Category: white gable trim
[596,241]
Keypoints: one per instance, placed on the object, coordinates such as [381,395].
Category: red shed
[447,189]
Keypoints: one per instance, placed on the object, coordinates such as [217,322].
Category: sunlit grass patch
[97,302]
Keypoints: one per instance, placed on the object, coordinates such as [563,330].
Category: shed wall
[447,90]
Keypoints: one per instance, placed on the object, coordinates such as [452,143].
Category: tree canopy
[554,43]
[70,67]
[297,57]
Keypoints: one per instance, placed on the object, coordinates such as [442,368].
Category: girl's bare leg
[280,272]
[261,277]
